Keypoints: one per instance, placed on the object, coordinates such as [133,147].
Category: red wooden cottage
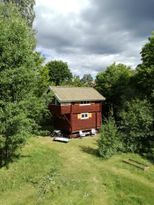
[76,109]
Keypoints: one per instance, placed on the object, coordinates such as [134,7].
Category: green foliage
[144,80]
[121,86]
[87,80]
[58,72]
[42,75]
[17,60]
[22,100]
[25,7]
[14,129]
[113,80]
[114,84]
[109,141]
[16,40]
[136,125]
[75,82]
[147,52]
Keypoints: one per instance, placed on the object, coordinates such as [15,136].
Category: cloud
[95,34]
[136,16]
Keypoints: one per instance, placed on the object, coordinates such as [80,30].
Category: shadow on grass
[149,157]
[5,162]
[90,150]
[24,156]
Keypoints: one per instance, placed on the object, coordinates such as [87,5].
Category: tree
[87,79]
[114,84]
[136,125]
[19,103]
[16,55]
[147,53]
[42,75]
[144,80]
[26,9]
[109,141]
[59,72]
[75,82]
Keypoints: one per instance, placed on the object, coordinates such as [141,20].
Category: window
[84,116]
[84,103]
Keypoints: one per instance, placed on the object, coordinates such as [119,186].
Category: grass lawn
[53,173]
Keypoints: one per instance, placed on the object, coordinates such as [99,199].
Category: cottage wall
[68,117]
[83,124]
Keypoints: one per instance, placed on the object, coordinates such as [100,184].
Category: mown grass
[72,174]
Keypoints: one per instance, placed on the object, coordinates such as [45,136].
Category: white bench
[61,139]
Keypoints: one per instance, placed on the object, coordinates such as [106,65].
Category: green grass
[52,173]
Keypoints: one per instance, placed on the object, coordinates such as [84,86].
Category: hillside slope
[72,174]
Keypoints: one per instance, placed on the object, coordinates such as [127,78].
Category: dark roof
[76,94]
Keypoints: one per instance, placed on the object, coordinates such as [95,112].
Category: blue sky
[92,34]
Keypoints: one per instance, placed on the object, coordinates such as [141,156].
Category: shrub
[14,128]
[109,141]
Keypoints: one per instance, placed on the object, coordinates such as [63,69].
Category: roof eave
[69,101]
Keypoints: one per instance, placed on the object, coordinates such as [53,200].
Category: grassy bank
[72,174]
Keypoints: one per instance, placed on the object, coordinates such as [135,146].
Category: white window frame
[83,103]
[84,116]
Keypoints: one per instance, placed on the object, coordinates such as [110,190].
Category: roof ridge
[69,87]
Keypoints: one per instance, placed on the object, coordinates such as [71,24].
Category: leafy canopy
[26,9]
[113,81]
[58,72]
[144,78]
[147,53]
[87,79]
[114,84]
[136,125]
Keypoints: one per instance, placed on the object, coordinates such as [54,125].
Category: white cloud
[63,6]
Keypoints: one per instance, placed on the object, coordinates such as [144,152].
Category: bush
[136,125]
[109,141]
[15,127]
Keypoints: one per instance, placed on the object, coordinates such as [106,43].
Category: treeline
[60,74]
[129,106]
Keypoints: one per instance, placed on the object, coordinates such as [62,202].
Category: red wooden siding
[58,109]
[95,107]
[99,119]
[66,116]
[75,108]
[81,124]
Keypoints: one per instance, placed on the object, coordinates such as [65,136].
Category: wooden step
[136,164]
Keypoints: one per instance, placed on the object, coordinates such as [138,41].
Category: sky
[92,34]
